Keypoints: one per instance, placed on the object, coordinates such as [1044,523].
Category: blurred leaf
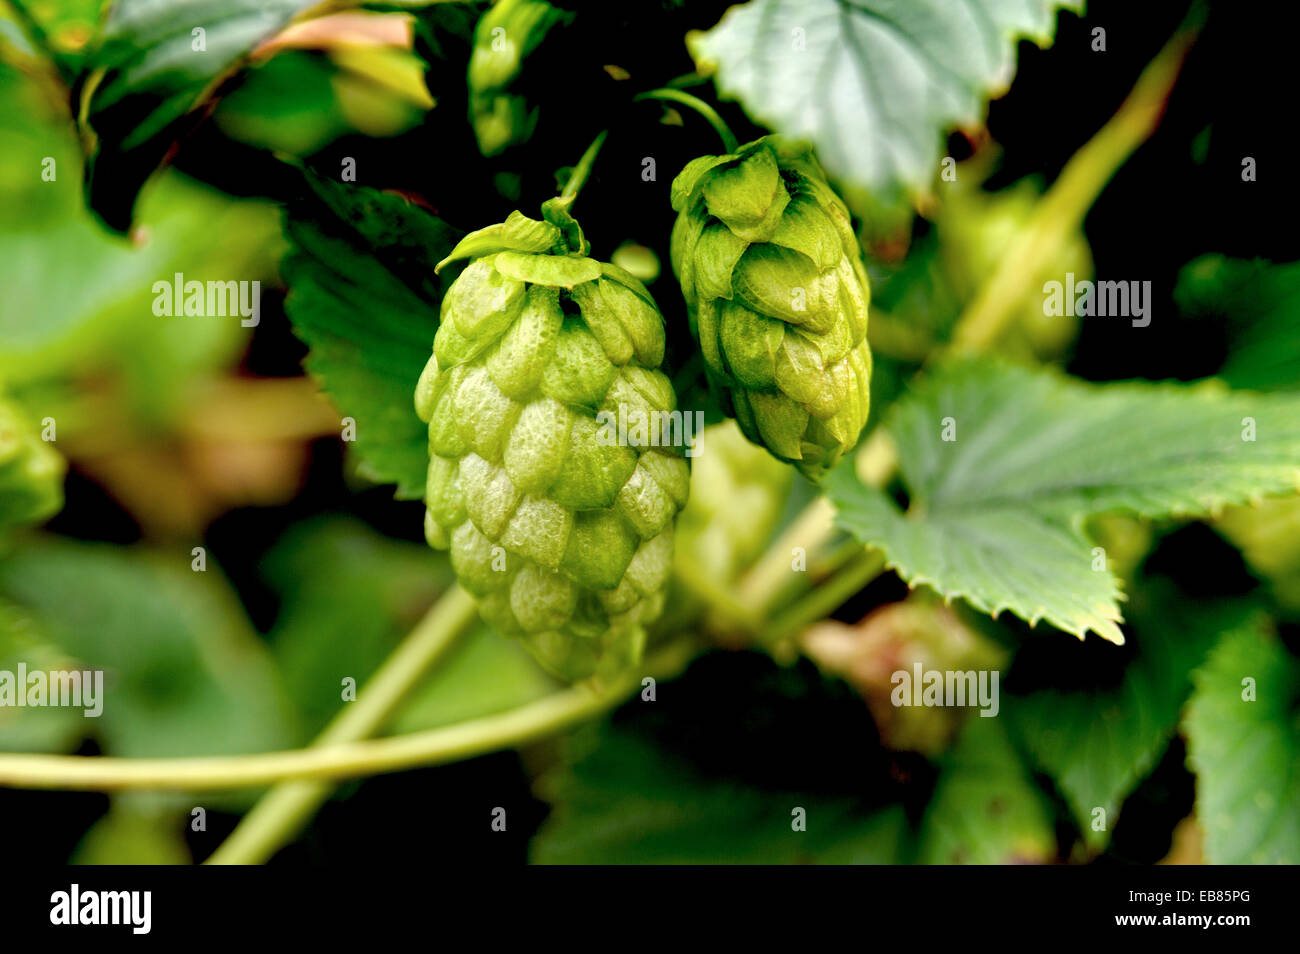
[364,297]
[132,835]
[48,729]
[996,514]
[985,809]
[347,597]
[184,674]
[631,802]
[872,84]
[713,769]
[285,104]
[1268,535]
[31,470]
[141,84]
[1097,741]
[79,301]
[1259,303]
[484,675]
[1246,751]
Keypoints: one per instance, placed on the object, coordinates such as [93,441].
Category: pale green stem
[1060,212]
[509,729]
[283,811]
[707,112]
[578,177]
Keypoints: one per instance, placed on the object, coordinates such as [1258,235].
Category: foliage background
[190,433]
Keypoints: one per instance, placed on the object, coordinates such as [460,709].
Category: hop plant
[564,535]
[976,228]
[738,492]
[777,295]
[31,472]
[504,36]
[737,495]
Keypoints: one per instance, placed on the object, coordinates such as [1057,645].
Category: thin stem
[1061,211]
[717,597]
[578,177]
[707,112]
[349,760]
[825,599]
[810,530]
[282,812]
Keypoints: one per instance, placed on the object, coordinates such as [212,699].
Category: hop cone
[31,472]
[565,536]
[777,294]
[504,36]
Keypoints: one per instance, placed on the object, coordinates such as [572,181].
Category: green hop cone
[777,294]
[563,534]
[31,471]
[504,36]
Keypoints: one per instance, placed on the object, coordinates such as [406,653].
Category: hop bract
[564,535]
[775,286]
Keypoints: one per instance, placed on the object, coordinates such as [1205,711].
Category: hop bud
[564,535]
[504,36]
[31,472]
[777,294]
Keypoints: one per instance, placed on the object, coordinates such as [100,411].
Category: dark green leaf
[1243,743]
[364,297]
[142,83]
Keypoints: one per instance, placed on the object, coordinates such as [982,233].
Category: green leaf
[716,769]
[347,596]
[996,513]
[484,675]
[1245,750]
[79,301]
[631,802]
[1100,736]
[1259,303]
[50,729]
[184,674]
[143,81]
[364,297]
[985,809]
[134,834]
[872,84]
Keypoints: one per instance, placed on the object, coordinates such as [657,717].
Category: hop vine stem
[578,177]
[509,729]
[707,112]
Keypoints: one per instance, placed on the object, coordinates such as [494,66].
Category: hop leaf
[564,534]
[777,294]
